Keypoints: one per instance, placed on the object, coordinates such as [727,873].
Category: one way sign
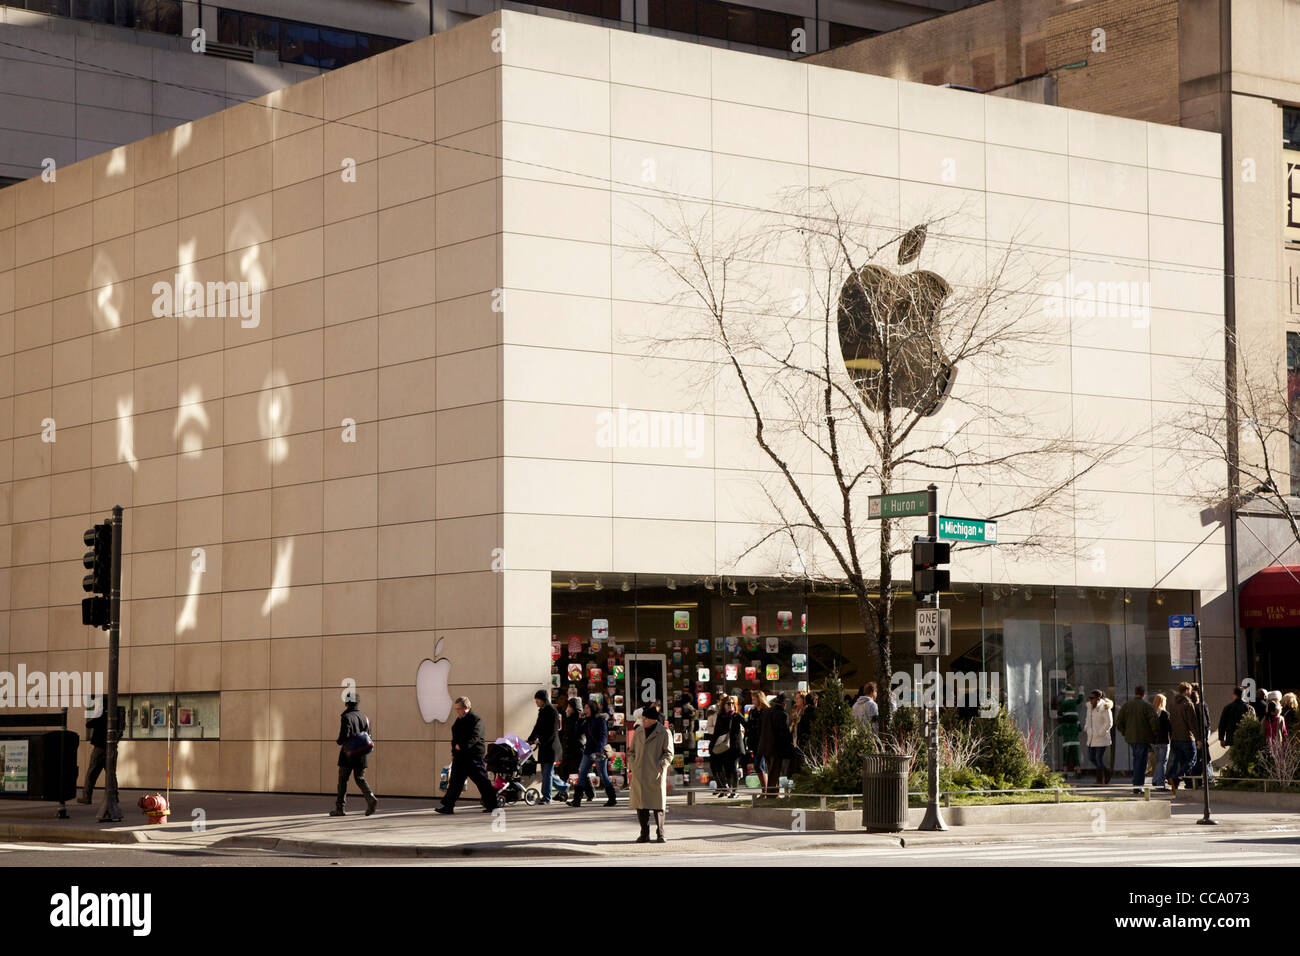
[933,632]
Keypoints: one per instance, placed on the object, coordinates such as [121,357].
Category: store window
[842,33]
[186,715]
[1290,128]
[605,9]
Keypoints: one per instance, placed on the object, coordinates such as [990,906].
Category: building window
[842,33]
[303,43]
[725,21]
[157,16]
[1293,404]
[1290,128]
[605,9]
[150,716]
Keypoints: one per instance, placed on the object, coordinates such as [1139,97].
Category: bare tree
[843,365]
[1236,436]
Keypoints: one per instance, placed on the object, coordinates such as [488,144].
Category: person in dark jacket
[1231,717]
[1138,723]
[468,748]
[571,744]
[774,743]
[1183,733]
[546,737]
[351,723]
[97,732]
[729,735]
[595,734]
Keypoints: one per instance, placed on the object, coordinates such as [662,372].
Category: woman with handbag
[595,752]
[571,741]
[727,744]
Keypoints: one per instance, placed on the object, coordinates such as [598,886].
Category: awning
[1271,598]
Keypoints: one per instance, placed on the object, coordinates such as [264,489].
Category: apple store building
[537,355]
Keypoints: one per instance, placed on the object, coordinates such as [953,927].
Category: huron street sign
[909,504]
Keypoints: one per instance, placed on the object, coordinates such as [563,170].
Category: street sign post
[909,504]
[1182,641]
[1184,653]
[933,628]
[968,529]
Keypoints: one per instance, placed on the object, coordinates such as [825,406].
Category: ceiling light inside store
[625,586]
[672,585]
[752,587]
[1160,599]
[598,586]
[708,584]
[573,584]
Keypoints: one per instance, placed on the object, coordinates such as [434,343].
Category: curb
[45,832]
[325,848]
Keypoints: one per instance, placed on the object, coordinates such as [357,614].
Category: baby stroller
[510,759]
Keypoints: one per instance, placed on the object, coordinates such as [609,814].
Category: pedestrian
[1203,731]
[1290,711]
[1274,729]
[545,736]
[97,734]
[727,743]
[754,732]
[715,763]
[468,748]
[353,756]
[774,744]
[688,722]
[801,721]
[1182,735]
[571,744]
[1096,728]
[1068,716]
[1260,703]
[595,753]
[865,707]
[1160,745]
[1138,723]
[1231,716]
[650,756]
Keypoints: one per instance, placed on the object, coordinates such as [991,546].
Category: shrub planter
[884,791]
[1281,801]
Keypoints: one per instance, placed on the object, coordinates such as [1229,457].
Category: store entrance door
[1277,657]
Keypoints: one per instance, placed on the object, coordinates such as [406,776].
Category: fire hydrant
[155,807]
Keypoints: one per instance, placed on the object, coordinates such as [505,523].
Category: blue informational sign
[1182,620]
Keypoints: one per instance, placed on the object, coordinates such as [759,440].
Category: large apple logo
[884,316]
[431,687]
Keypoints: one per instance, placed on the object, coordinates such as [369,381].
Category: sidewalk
[298,823]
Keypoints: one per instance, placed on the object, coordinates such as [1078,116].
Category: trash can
[884,791]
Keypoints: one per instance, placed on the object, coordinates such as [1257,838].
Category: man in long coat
[650,758]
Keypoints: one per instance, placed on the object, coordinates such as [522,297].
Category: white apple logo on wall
[431,687]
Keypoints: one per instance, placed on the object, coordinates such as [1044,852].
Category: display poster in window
[13,765]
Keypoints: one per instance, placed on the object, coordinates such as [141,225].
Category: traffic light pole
[933,817]
[111,811]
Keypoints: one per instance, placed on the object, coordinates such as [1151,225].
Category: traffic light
[99,582]
[927,577]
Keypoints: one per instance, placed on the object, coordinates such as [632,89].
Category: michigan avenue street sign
[968,529]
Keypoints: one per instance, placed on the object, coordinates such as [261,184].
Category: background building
[1204,64]
[78,77]
[398,456]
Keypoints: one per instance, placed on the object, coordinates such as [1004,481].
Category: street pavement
[293,827]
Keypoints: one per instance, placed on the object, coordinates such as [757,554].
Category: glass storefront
[636,639]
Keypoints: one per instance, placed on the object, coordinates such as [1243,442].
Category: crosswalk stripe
[44,847]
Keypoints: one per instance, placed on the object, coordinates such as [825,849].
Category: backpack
[359,745]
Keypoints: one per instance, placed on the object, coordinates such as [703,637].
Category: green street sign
[968,529]
[906,505]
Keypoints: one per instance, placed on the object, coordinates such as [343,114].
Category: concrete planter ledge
[1254,798]
[1010,813]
